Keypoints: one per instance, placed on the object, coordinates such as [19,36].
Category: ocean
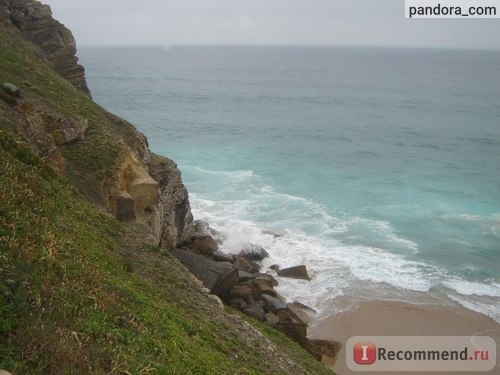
[377,168]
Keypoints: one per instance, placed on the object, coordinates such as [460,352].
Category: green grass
[79,291]
[93,159]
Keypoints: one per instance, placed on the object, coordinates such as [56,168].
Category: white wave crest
[470,288]
[326,242]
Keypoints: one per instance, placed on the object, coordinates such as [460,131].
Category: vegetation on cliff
[81,292]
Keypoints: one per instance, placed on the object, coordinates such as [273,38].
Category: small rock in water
[296,272]
[275,268]
[253,252]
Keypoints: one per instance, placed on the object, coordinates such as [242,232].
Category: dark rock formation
[296,272]
[245,276]
[302,311]
[251,291]
[223,257]
[202,228]
[34,20]
[290,324]
[205,245]
[244,265]
[272,304]
[243,291]
[216,276]
[253,252]
[176,219]
[264,285]
[319,348]
[255,311]
[47,131]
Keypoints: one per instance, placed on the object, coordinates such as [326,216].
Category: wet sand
[383,318]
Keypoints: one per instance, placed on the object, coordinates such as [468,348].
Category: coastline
[395,318]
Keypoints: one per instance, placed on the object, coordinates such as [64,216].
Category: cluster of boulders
[239,282]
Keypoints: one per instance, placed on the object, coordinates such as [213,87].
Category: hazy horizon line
[168,46]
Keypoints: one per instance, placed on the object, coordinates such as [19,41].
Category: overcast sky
[266,22]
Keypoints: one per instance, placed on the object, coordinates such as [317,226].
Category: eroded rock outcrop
[176,219]
[134,195]
[34,20]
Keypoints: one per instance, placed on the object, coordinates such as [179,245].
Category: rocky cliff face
[147,189]
[105,157]
[176,219]
[34,20]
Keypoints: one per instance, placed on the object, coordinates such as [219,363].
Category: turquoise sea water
[378,168]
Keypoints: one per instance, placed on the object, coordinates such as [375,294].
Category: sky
[266,22]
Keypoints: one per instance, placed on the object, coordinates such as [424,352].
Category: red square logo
[365,353]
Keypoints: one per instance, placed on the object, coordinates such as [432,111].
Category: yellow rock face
[135,194]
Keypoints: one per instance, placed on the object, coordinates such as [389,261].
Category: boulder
[272,318]
[222,257]
[291,325]
[304,312]
[242,290]
[202,228]
[245,276]
[319,348]
[275,268]
[238,303]
[271,279]
[296,272]
[253,252]
[260,303]
[204,244]
[244,265]
[255,311]
[272,304]
[70,132]
[263,285]
[218,277]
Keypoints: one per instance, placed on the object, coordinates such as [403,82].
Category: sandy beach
[382,318]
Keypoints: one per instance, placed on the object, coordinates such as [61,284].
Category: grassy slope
[79,292]
[91,160]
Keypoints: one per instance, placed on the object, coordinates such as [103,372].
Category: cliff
[104,156]
[34,20]
[87,214]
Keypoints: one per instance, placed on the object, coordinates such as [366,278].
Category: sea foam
[296,230]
